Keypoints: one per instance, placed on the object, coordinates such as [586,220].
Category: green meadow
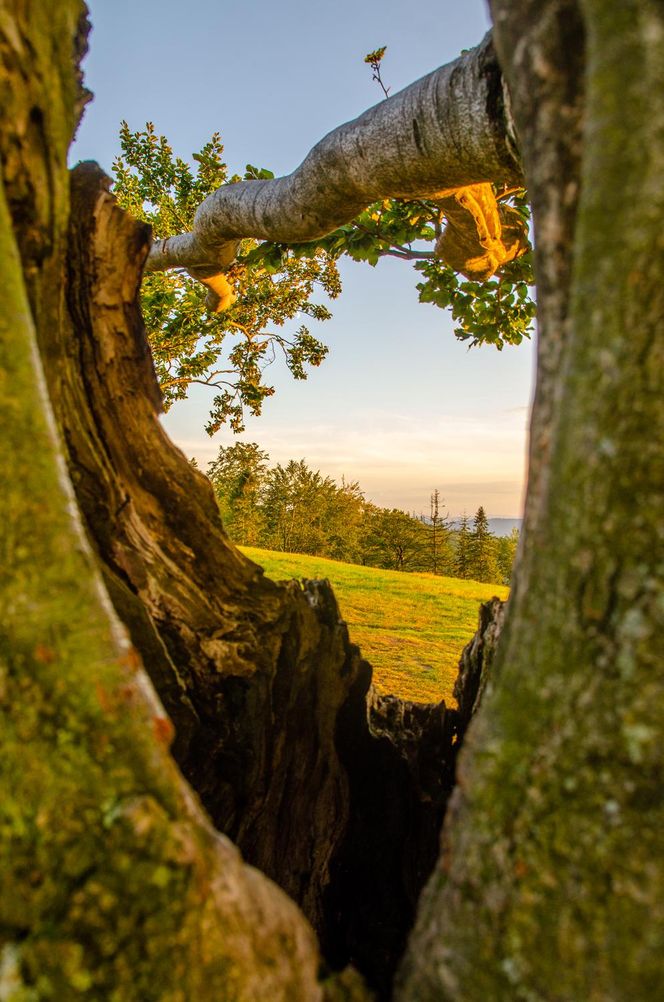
[411,627]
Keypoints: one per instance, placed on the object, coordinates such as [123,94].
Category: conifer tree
[462,557]
[439,536]
[483,565]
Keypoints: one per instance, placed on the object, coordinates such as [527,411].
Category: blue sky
[399,405]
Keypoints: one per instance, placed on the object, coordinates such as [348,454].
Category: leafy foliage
[237,475]
[274,283]
[374,60]
[498,312]
[227,351]
[304,511]
[396,540]
[506,554]
[293,509]
[289,507]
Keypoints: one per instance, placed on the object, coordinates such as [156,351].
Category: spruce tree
[483,565]
[462,557]
[439,536]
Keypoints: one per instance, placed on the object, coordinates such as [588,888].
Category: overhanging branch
[446,131]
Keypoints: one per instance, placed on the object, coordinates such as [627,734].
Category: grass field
[411,627]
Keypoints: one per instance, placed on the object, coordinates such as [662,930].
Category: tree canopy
[227,350]
[290,507]
[469,245]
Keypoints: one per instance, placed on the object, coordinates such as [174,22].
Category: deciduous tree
[479,266]
[396,540]
[506,550]
[296,502]
[229,350]
[238,477]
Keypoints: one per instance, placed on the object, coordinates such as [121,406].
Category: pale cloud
[398,460]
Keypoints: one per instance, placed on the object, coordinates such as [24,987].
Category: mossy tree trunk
[269,699]
[551,883]
[113,884]
[276,726]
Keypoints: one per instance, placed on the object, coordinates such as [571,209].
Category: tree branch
[445,131]
[406,255]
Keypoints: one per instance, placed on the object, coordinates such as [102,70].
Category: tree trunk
[276,726]
[113,883]
[551,882]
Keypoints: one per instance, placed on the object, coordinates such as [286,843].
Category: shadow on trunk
[334,792]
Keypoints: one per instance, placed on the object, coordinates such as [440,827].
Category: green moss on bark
[113,885]
[553,881]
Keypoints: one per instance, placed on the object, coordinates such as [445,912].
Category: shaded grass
[411,627]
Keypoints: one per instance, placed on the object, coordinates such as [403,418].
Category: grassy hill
[411,627]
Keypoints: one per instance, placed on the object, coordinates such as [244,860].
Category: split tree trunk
[550,885]
[335,793]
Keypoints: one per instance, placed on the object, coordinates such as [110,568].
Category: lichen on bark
[134,874]
[550,885]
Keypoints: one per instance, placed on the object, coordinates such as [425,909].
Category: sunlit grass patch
[411,627]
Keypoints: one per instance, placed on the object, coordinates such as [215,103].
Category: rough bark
[112,882]
[446,131]
[400,772]
[551,882]
[257,677]
[476,663]
[542,51]
[269,699]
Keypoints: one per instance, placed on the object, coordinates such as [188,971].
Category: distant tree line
[295,509]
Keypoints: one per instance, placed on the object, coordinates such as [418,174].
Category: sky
[399,405]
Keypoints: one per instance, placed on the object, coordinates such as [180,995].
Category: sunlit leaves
[274,284]
[229,351]
[374,60]
[498,312]
[376,56]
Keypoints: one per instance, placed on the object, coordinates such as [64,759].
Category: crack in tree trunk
[335,793]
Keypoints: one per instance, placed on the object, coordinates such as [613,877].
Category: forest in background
[292,508]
